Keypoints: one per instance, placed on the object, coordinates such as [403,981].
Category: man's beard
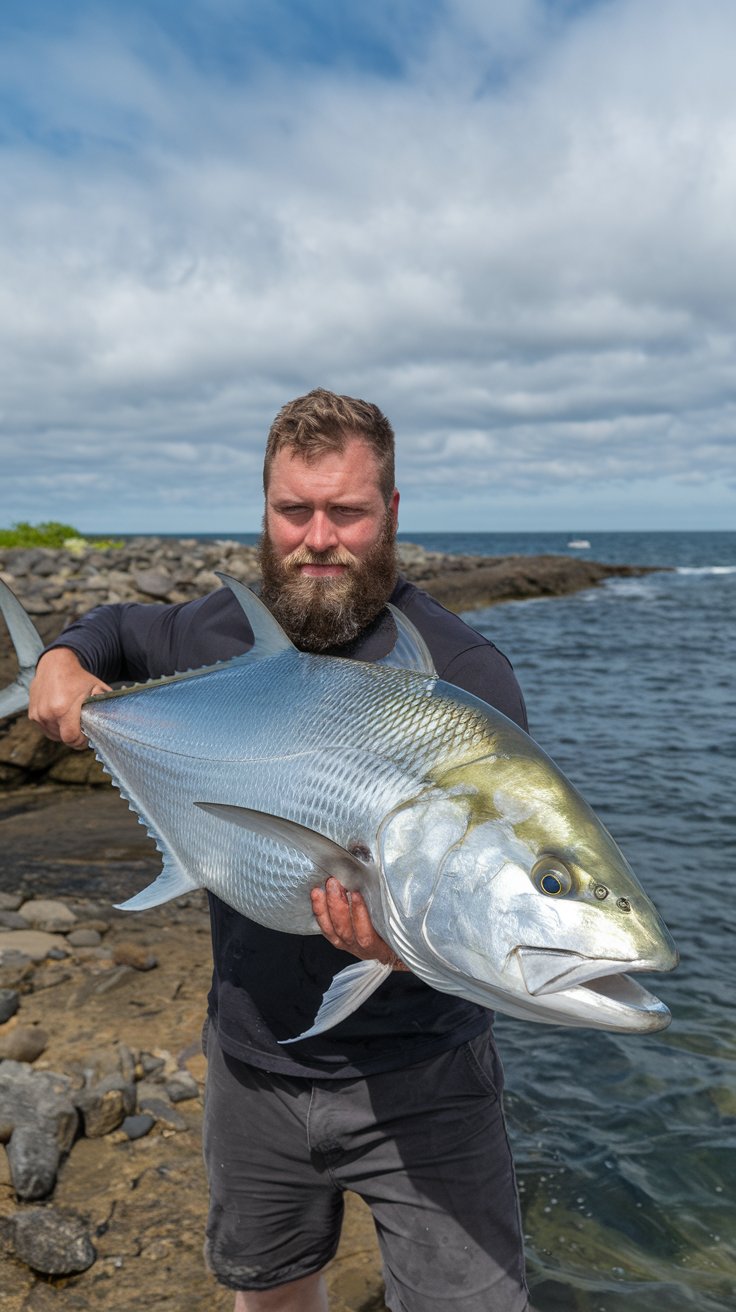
[318,613]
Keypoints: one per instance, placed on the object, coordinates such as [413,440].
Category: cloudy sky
[509,224]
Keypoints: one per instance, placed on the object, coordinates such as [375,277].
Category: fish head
[508,890]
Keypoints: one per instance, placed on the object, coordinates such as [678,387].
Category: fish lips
[555,970]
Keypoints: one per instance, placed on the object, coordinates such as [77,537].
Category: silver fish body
[481,865]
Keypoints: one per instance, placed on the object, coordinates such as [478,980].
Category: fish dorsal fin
[410,651]
[28,647]
[269,637]
[327,856]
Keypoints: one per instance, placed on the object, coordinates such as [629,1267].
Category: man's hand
[344,921]
[56,695]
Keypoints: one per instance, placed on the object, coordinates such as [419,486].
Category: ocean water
[626,1146]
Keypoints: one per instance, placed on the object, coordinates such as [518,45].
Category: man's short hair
[322,421]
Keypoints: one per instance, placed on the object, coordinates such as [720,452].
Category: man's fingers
[362,924]
[323,917]
[346,924]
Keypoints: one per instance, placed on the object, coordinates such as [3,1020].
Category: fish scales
[154,741]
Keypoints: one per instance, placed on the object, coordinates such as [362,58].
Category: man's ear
[394,508]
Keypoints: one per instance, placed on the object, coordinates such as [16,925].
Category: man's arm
[107,644]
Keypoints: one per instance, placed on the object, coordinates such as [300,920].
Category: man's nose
[321,534]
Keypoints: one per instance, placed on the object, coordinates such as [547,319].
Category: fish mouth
[555,971]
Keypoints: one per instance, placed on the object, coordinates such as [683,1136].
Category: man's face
[328,547]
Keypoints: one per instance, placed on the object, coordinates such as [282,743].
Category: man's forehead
[354,464]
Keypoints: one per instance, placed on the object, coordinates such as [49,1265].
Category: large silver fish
[482,867]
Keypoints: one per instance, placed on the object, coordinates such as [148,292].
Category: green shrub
[51,534]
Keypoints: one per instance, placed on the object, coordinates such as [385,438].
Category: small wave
[706,569]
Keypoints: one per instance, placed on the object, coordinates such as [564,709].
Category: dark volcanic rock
[136,1127]
[51,1242]
[34,1157]
[38,1116]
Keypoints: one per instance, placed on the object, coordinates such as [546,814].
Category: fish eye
[551,877]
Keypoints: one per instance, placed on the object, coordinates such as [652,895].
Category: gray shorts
[425,1147]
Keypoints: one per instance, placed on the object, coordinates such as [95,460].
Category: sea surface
[626,1145]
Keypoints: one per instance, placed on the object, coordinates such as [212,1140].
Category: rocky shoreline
[56,586]
[102,1187]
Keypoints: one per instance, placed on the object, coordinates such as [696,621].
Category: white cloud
[522,251]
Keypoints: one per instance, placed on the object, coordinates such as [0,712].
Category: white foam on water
[706,569]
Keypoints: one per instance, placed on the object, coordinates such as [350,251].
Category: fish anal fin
[172,882]
[348,991]
[326,855]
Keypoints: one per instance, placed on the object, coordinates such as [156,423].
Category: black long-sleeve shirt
[267,985]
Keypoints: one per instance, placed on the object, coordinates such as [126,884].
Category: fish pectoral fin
[28,647]
[348,990]
[172,882]
[269,638]
[327,856]
[410,651]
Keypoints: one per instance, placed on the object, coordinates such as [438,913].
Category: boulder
[52,1242]
[23,1043]
[48,914]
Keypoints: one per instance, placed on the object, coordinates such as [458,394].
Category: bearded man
[400,1102]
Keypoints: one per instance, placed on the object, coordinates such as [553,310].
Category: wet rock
[135,955]
[24,1043]
[10,901]
[33,943]
[9,1004]
[48,914]
[51,1242]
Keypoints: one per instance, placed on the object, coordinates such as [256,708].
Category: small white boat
[579,543]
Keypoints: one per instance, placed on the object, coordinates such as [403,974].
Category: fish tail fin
[28,647]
